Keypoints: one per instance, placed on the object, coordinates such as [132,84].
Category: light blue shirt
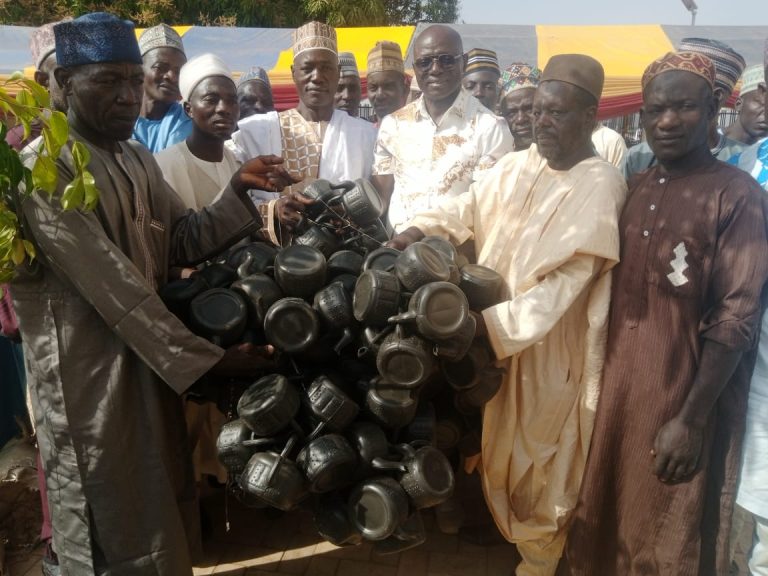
[171,129]
[754,161]
[753,485]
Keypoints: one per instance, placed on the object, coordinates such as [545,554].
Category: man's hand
[263,173]
[406,238]
[474,462]
[289,209]
[677,450]
[244,361]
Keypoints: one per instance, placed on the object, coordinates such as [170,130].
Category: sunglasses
[445,61]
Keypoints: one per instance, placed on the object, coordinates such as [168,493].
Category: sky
[710,13]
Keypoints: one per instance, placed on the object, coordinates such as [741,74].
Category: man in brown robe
[106,361]
[660,481]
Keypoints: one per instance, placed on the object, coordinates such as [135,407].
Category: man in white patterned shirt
[436,146]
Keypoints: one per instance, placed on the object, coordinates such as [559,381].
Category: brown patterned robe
[693,265]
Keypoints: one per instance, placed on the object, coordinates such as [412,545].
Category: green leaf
[51,146]
[29,185]
[45,174]
[73,194]
[15,170]
[40,94]
[59,127]
[5,154]
[91,192]
[18,254]
[27,127]
[18,75]
[29,248]
[81,156]
[24,98]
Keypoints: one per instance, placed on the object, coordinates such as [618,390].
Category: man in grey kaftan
[107,362]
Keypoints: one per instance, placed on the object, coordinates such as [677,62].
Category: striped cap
[314,36]
[479,59]
[518,76]
[384,56]
[729,64]
[160,36]
[752,78]
[347,65]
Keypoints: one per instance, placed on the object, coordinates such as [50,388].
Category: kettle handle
[380,463]
[242,270]
[346,185]
[258,442]
[283,455]
[317,431]
[406,450]
[408,316]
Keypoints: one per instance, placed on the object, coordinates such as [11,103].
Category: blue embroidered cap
[96,37]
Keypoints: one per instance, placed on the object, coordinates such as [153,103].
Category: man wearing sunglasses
[436,146]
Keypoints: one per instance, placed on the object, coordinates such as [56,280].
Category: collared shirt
[171,129]
[338,150]
[754,161]
[609,145]
[693,266]
[431,161]
[196,181]
[640,157]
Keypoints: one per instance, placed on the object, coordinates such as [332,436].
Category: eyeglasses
[445,61]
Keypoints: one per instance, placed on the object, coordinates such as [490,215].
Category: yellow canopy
[624,51]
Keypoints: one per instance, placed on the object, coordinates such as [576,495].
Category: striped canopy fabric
[624,51]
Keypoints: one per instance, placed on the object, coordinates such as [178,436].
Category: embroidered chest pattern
[679,265]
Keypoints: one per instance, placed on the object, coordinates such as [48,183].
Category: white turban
[198,69]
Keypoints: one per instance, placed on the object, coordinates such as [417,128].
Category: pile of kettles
[378,376]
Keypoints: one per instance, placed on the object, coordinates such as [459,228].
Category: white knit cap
[752,77]
[198,69]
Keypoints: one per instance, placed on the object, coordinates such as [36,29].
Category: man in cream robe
[547,220]
[200,167]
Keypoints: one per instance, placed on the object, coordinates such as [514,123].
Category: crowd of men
[633,417]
